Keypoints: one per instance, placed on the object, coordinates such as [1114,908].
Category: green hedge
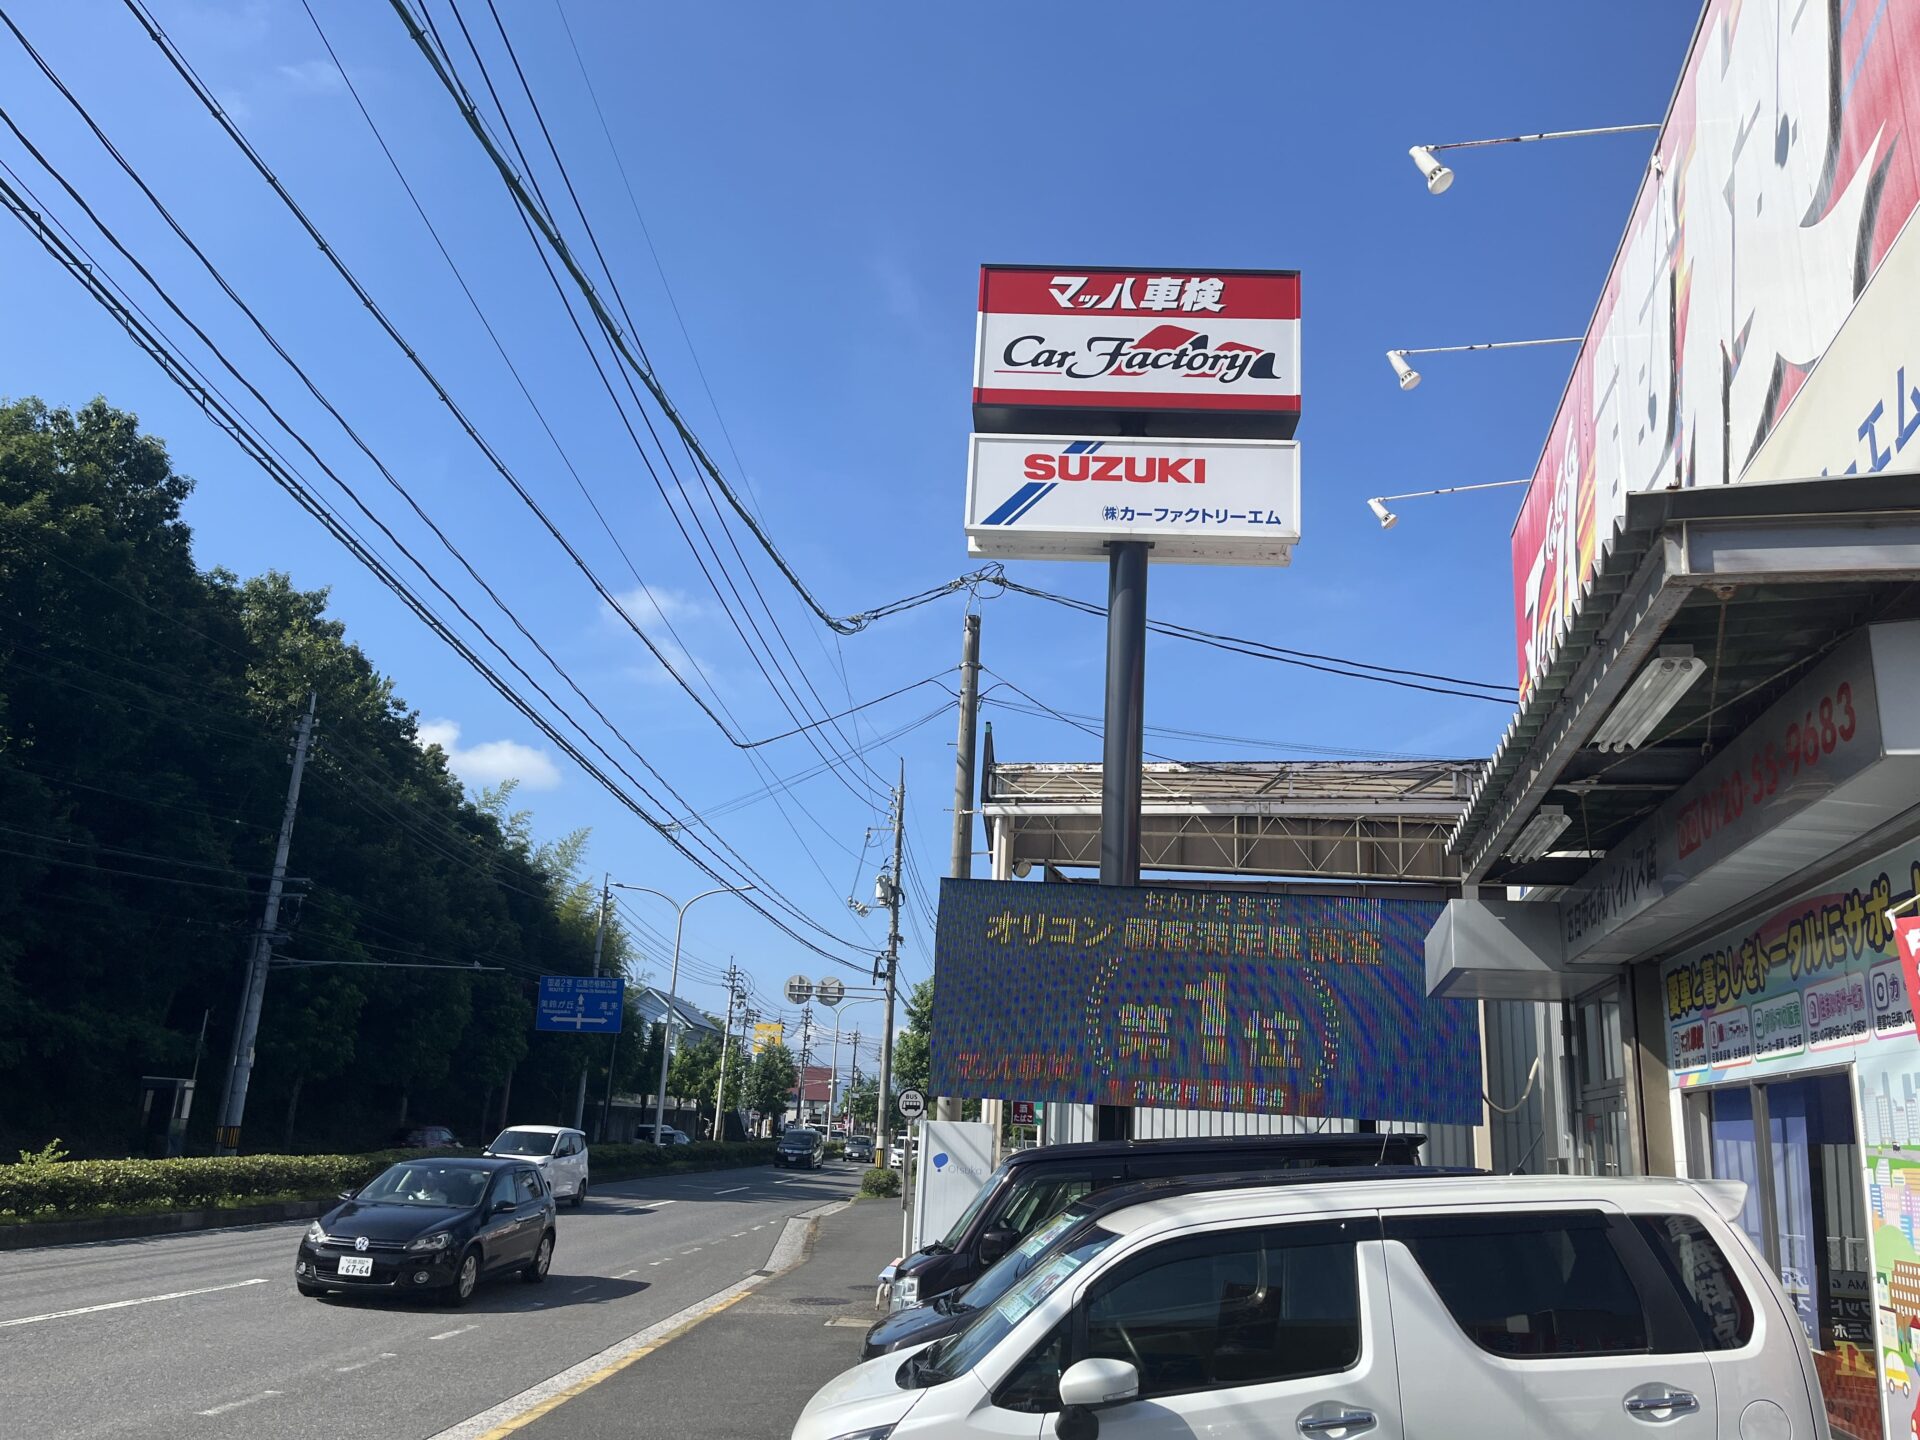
[79,1187]
[880,1181]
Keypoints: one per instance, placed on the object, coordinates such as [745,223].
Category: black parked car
[945,1314]
[860,1149]
[434,1225]
[1032,1186]
[801,1149]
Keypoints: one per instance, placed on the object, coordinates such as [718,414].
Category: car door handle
[1674,1402]
[1346,1420]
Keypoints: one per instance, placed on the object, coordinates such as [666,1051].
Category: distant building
[689,1023]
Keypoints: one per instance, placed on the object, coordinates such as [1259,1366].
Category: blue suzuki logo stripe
[1021,513]
[1017,502]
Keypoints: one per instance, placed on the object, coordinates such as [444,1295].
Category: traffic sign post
[912,1105]
[829,991]
[799,990]
[580,1004]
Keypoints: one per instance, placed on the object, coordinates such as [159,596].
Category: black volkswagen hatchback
[435,1225]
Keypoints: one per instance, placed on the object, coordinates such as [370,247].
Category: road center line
[449,1334]
[236,1404]
[734,1191]
[124,1304]
[624,1273]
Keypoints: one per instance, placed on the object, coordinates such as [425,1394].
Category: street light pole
[673,989]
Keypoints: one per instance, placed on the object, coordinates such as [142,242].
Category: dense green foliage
[880,1181]
[146,711]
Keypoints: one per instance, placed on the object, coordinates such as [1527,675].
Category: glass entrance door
[1602,1145]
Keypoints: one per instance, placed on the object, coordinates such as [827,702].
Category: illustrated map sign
[1198,999]
[580,1004]
[912,1104]
[1217,502]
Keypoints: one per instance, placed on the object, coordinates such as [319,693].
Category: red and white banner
[1787,167]
[1906,940]
[1167,340]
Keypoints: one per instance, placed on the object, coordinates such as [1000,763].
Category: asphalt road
[105,1340]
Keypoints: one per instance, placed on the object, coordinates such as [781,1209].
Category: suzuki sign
[1222,344]
[1222,502]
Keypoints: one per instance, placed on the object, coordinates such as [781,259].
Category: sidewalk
[745,1373]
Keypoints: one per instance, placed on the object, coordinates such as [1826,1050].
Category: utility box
[165,1103]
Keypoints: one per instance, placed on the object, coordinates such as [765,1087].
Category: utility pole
[960,866]
[883,1113]
[599,940]
[233,1108]
[806,1055]
[726,1043]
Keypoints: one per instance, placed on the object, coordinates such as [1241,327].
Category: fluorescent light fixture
[1654,692]
[1437,176]
[1385,516]
[1536,837]
[1409,377]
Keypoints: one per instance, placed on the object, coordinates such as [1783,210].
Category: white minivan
[561,1154]
[1492,1307]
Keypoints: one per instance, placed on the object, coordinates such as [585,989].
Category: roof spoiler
[1727,1197]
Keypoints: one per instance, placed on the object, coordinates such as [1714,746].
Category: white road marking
[734,1191]
[362,1364]
[449,1334]
[653,1262]
[759,1227]
[694,1251]
[581,1289]
[236,1404]
[624,1273]
[123,1304]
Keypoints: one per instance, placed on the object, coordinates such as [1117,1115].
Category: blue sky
[821,184]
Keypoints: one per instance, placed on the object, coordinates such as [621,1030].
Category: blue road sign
[582,1004]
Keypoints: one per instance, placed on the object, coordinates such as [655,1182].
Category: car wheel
[312,1292]
[542,1261]
[465,1280]
[579,1196]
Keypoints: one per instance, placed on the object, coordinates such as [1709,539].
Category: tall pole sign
[1126,415]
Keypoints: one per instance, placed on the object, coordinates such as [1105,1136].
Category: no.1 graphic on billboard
[1196,999]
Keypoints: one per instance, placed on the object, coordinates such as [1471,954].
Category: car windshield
[523,1142]
[974,1207]
[990,1324]
[426,1183]
[1013,1266]
[798,1138]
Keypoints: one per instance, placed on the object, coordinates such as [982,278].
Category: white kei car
[1366,1307]
[561,1154]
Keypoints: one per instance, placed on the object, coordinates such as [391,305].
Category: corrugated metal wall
[1518,1034]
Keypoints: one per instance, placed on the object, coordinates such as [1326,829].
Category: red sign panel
[1060,337]
[1906,940]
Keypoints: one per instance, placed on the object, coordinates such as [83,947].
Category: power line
[83,269]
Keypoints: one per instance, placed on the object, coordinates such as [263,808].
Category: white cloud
[491,761]
[312,77]
[657,605]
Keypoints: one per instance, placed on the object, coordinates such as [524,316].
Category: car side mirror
[502,1205]
[997,1242]
[1090,1385]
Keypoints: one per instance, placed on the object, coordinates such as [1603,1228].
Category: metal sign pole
[1123,743]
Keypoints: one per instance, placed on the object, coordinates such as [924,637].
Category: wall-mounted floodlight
[1387,519]
[1410,377]
[1439,177]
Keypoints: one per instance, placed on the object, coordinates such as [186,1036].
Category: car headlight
[439,1240]
[906,1289]
[316,1234]
[878,1432]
